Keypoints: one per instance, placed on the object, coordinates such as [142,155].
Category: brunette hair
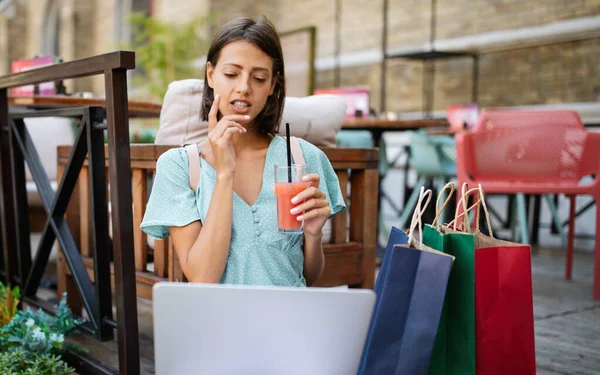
[263,35]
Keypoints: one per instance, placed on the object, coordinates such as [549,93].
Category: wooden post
[364,205]
[139,207]
[7,208]
[119,165]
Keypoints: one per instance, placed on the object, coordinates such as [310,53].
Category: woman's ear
[210,70]
[274,83]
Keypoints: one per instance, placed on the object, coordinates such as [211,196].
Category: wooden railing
[16,147]
[350,253]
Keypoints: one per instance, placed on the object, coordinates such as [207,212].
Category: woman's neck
[252,140]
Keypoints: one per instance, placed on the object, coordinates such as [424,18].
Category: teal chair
[432,157]
[364,139]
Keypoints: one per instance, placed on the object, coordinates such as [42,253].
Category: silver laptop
[223,329]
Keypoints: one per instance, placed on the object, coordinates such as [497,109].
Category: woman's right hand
[220,137]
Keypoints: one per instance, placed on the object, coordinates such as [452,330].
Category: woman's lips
[241,109]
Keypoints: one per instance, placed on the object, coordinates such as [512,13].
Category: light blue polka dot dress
[259,254]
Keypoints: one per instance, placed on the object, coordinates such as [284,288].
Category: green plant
[33,342]
[9,301]
[165,52]
[18,363]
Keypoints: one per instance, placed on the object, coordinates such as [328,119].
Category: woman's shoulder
[175,157]
[173,162]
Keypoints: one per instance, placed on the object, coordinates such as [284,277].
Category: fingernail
[295,199]
[293,210]
[305,178]
[300,218]
[246,116]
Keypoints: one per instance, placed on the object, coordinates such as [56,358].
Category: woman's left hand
[315,207]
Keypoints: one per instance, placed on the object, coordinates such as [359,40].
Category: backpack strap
[194,165]
[296,151]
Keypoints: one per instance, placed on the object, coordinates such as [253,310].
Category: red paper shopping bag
[504,331]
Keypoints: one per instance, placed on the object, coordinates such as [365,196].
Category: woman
[226,231]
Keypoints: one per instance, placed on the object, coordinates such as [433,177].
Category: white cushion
[316,118]
[180,114]
[47,133]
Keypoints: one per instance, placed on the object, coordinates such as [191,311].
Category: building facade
[531,52]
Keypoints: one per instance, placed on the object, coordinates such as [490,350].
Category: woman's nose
[243,85]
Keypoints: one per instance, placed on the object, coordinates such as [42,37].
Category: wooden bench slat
[85,216]
[161,258]
[139,193]
[340,221]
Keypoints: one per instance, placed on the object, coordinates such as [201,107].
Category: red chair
[534,152]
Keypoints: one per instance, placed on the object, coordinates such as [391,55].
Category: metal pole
[384,56]
[338,37]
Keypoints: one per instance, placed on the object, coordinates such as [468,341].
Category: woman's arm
[314,259]
[203,250]
[316,212]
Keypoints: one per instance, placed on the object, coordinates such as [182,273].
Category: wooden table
[392,125]
[136,108]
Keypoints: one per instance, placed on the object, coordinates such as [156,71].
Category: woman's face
[243,77]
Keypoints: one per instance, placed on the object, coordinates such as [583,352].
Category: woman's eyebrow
[254,68]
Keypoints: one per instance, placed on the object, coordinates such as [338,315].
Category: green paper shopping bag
[454,349]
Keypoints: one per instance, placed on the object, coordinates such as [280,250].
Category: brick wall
[567,72]
[17,28]
[223,11]
[173,11]
[466,17]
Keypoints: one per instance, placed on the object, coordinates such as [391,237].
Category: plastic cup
[288,184]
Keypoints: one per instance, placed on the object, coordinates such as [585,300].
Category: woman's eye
[230,75]
[259,79]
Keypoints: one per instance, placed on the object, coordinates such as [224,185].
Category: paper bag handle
[416,218]
[485,211]
[463,200]
[438,210]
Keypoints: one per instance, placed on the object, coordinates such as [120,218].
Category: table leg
[537,207]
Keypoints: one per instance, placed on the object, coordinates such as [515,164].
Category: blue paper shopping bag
[410,290]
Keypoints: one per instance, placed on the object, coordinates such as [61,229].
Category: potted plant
[33,342]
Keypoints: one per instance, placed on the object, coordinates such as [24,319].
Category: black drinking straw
[289,151]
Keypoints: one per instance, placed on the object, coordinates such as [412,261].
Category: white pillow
[316,118]
[47,133]
[180,114]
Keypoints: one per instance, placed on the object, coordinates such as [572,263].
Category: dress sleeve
[172,202]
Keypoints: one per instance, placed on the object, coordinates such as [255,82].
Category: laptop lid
[225,329]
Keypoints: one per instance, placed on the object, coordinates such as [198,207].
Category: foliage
[18,363]
[32,342]
[165,52]
[9,301]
